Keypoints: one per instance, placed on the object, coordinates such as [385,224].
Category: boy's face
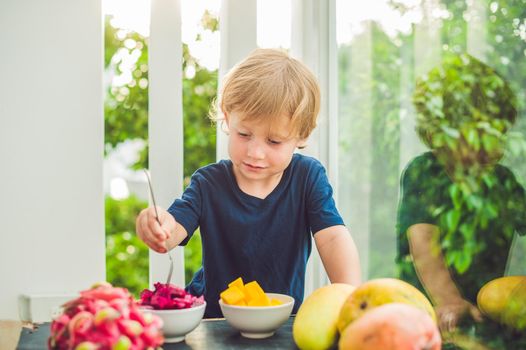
[260,151]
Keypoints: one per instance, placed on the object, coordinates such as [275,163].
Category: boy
[257,211]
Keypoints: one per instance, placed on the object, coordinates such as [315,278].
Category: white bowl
[178,323]
[258,322]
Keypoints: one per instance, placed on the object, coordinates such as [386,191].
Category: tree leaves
[126,106]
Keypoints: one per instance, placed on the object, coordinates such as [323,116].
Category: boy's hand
[450,314]
[150,232]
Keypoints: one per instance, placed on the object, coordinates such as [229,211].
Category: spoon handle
[171,268]
[159,222]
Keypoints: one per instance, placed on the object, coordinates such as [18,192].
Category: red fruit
[167,297]
[106,293]
[107,317]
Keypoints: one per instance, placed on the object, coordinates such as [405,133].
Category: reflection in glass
[383,46]
[459,209]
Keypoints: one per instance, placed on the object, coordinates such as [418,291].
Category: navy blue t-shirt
[267,240]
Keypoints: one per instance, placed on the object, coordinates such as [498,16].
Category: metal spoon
[157,218]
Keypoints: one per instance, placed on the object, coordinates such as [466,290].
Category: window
[416,76]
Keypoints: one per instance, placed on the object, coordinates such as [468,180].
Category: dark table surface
[210,334]
[217,334]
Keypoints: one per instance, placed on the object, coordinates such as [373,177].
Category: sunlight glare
[119,188]
[129,14]
[274,23]
[350,18]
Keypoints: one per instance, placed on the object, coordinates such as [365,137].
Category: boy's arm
[435,277]
[177,236]
[339,255]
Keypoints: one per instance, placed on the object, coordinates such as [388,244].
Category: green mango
[315,327]
[504,300]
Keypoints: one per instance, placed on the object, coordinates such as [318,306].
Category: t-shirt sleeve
[321,208]
[416,201]
[187,209]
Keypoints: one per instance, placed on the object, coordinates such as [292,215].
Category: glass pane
[432,171]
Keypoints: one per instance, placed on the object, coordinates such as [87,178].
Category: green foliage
[464,104]
[192,256]
[464,109]
[199,132]
[210,22]
[126,254]
[126,107]
[507,45]
[454,28]
[126,118]
[506,51]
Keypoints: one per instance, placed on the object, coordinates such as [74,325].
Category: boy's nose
[255,150]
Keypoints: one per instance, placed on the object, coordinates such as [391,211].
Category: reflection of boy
[258,210]
[458,209]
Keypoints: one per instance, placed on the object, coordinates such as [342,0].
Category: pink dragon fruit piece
[105,293]
[168,296]
[87,345]
[105,318]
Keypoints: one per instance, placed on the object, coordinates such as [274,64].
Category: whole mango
[314,327]
[504,300]
[394,326]
[381,291]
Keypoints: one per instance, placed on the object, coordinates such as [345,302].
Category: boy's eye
[242,134]
[274,142]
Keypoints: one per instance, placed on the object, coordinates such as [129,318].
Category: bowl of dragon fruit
[180,311]
[105,317]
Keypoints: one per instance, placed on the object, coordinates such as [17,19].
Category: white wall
[51,148]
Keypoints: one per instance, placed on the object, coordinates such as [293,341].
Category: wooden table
[214,334]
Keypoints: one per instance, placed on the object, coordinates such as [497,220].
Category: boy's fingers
[140,225]
[166,231]
[150,239]
[146,234]
[475,313]
[149,230]
[156,228]
[448,321]
[153,244]
[165,223]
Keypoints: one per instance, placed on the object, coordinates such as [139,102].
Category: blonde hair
[270,84]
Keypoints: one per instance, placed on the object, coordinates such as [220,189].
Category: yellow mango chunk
[241,303]
[237,283]
[261,300]
[275,302]
[250,294]
[232,295]
[254,291]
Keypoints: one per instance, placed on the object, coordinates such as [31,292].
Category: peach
[394,326]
